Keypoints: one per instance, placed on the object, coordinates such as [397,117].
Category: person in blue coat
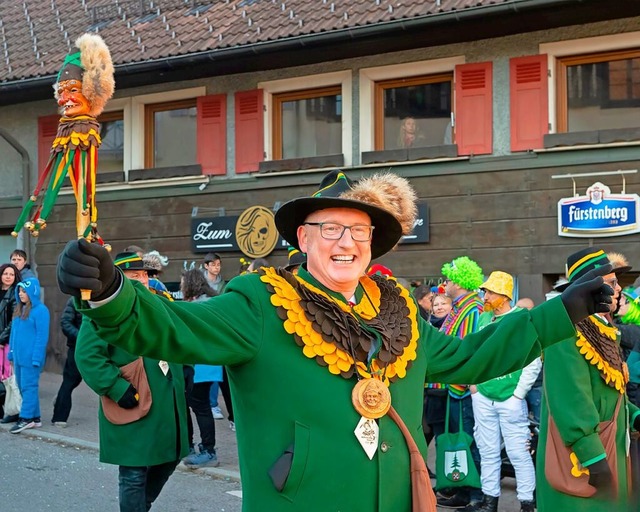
[27,350]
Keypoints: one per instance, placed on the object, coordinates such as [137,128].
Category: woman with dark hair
[10,276]
[195,288]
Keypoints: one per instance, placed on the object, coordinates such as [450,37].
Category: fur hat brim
[386,233]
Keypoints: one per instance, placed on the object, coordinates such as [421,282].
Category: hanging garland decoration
[330,331]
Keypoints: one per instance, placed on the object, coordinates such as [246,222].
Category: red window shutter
[529,89]
[212,133]
[47,130]
[249,130]
[474,108]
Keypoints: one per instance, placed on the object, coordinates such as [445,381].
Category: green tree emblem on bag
[455,465]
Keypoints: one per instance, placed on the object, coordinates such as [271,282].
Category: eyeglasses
[611,282]
[334,231]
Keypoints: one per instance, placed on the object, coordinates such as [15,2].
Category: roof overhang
[472,24]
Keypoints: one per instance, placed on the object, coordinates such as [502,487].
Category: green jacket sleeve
[96,366]
[226,329]
[499,348]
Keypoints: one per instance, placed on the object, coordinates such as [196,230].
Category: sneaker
[60,424]
[455,501]
[232,426]
[10,419]
[37,422]
[217,413]
[22,425]
[206,458]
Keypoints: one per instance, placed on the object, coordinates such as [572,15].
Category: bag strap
[446,420]
[460,416]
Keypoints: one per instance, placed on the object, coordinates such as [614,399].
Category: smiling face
[71,100]
[337,264]
[441,306]
[8,278]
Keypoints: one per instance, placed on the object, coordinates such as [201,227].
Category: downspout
[27,243]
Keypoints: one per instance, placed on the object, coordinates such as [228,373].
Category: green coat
[579,399]
[153,439]
[281,397]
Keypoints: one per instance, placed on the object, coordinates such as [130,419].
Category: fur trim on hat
[391,193]
[617,260]
[97,81]
[155,260]
[464,272]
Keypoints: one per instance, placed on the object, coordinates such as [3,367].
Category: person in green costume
[584,378]
[146,450]
[319,341]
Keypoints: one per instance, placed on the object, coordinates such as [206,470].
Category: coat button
[384,447]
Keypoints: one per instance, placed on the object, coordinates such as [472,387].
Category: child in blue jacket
[27,350]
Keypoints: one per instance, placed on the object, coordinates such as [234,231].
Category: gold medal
[371,398]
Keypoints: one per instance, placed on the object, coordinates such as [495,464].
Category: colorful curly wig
[464,272]
[632,316]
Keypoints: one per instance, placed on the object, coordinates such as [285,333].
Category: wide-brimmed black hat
[131,261]
[581,262]
[334,192]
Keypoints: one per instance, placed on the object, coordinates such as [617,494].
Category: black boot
[489,504]
[527,506]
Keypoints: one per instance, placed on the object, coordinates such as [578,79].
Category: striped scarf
[462,320]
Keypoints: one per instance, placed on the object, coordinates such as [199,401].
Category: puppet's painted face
[71,101]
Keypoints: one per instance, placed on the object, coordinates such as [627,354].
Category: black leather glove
[588,294]
[130,398]
[86,266]
[600,476]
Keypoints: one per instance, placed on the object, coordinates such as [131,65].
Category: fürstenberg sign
[599,213]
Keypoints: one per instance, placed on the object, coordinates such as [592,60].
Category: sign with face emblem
[256,232]
[253,232]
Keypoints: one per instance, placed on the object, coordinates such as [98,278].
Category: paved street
[40,475]
[57,469]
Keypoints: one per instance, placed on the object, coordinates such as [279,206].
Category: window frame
[342,79]
[137,121]
[574,47]
[115,115]
[150,109]
[381,86]
[368,77]
[279,98]
[562,63]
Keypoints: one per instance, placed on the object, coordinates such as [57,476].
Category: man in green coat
[146,450]
[584,379]
[346,354]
